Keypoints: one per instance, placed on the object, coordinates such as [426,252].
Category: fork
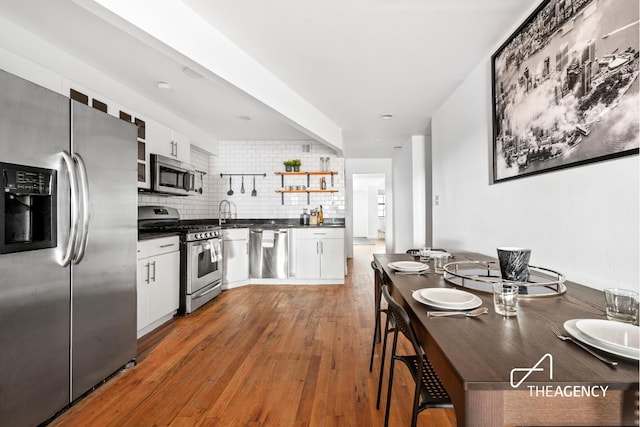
[565,337]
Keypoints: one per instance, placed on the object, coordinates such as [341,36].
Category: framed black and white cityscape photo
[565,88]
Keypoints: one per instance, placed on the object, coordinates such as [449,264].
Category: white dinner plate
[475,302]
[447,296]
[408,266]
[570,327]
[616,334]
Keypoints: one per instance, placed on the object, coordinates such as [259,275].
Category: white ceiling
[352,60]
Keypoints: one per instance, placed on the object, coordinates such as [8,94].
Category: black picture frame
[565,88]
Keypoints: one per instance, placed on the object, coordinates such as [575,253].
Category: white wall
[419,190]
[360,211]
[402,206]
[412,212]
[581,221]
[372,212]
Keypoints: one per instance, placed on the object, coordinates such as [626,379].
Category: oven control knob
[209,234]
[197,235]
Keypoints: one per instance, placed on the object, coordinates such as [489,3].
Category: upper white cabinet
[320,253]
[167,142]
[182,146]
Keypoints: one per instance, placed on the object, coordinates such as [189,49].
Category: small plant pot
[296,168]
[287,168]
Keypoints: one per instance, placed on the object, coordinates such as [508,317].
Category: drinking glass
[425,254]
[621,305]
[505,298]
[439,261]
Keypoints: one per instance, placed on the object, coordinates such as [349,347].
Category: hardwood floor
[266,355]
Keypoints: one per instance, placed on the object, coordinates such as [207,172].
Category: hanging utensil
[230,192]
[242,186]
[254,193]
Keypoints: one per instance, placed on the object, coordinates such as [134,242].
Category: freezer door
[34,288]
[104,280]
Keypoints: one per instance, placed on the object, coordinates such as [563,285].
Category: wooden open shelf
[307,190]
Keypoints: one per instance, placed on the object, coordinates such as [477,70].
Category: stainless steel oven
[171,176]
[200,254]
[202,268]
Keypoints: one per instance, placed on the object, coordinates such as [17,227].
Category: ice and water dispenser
[28,208]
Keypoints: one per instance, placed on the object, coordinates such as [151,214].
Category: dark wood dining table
[480,359]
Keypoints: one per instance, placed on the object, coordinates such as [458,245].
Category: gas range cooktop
[165,219]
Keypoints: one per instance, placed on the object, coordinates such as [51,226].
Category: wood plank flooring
[270,355]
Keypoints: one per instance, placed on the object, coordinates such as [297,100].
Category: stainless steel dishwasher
[269,253]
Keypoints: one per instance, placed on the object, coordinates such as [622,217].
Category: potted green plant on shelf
[288,165]
[296,165]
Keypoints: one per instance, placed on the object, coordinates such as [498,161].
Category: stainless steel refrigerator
[67,250]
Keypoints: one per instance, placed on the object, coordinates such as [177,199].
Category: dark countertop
[148,235]
[269,224]
[265,224]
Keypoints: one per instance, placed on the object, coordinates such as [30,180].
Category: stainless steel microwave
[170,176]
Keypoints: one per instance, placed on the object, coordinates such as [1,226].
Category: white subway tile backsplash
[258,157]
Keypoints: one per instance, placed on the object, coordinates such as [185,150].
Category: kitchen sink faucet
[225,214]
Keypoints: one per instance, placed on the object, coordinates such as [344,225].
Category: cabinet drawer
[320,233]
[162,245]
[235,234]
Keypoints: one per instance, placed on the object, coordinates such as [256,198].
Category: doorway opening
[369,208]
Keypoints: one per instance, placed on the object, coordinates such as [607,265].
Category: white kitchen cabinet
[158,282]
[167,142]
[182,146]
[235,258]
[319,253]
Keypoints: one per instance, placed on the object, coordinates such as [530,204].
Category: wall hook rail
[222,175]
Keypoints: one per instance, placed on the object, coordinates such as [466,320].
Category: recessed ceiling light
[245,118]
[164,86]
[377,140]
[386,116]
[191,73]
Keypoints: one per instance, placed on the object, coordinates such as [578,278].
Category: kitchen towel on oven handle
[214,250]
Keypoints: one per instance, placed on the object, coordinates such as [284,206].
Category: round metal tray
[481,275]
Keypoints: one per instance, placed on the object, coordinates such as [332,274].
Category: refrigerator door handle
[73,232]
[84,208]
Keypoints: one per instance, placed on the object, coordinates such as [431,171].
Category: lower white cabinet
[235,249]
[319,253]
[158,282]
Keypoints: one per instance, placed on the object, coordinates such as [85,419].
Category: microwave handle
[189,183]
